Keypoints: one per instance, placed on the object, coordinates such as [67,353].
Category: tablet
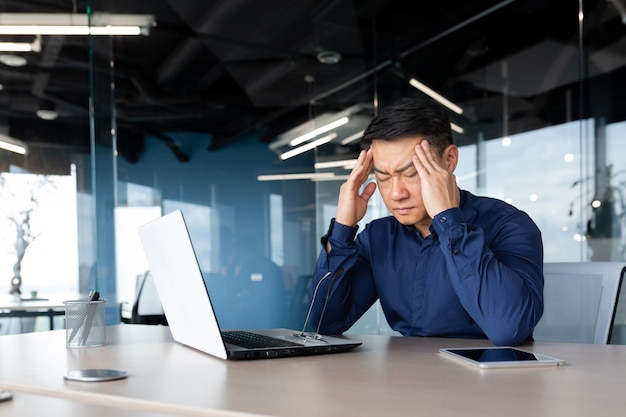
[500,357]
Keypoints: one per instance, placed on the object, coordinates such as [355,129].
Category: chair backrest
[299,303]
[373,321]
[147,307]
[580,300]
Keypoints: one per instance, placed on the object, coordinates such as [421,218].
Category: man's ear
[451,157]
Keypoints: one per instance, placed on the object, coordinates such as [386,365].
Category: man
[446,263]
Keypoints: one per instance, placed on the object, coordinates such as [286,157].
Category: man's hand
[439,189]
[352,206]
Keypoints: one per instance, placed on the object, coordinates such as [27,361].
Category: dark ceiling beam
[51,49]
[410,51]
[457,27]
[178,59]
[152,95]
[171,144]
[203,31]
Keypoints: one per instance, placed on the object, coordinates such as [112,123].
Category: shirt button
[443,219]
[455,252]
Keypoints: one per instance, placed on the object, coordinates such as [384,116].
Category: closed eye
[382,178]
[411,174]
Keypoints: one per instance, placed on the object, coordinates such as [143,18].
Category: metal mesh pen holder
[85,323]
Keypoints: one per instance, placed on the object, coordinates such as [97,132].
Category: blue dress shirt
[479,274]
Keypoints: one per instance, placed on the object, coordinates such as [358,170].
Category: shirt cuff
[340,232]
[447,219]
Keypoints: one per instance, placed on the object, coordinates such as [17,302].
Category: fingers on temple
[368,191]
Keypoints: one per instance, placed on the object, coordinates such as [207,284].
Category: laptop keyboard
[252,340]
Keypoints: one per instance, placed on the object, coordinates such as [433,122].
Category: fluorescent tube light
[302,176]
[344,122]
[352,138]
[75,24]
[13,145]
[432,93]
[344,163]
[16,47]
[322,129]
[456,128]
[307,146]
[69,30]
[335,178]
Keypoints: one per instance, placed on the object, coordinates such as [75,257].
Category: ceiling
[232,68]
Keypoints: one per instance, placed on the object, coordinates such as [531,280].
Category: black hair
[411,117]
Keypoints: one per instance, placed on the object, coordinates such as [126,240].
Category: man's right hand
[352,206]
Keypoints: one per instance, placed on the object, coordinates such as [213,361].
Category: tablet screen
[491,357]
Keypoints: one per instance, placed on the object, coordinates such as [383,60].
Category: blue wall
[226,181]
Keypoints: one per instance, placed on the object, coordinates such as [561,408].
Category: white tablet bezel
[537,359]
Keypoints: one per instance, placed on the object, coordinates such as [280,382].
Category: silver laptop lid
[180,284]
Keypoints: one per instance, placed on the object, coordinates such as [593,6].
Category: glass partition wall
[539,128]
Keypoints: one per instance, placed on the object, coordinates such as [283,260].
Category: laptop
[190,314]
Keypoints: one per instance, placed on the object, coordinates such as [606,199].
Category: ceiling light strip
[69,30]
[432,93]
[322,129]
[13,145]
[74,24]
[344,163]
[335,178]
[308,146]
[353,138]
[302,176]
[457,128]
[15,47]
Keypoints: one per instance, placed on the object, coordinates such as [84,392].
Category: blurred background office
[209,109]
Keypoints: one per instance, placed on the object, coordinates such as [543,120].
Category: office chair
[298,304]
[146,308]
[580,301]
[373,321]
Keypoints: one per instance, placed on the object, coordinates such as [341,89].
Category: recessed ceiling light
[13,60]
[47,114]
[47,110]
[328,57]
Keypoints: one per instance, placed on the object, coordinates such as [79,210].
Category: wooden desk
[24,404]
[37,307]
[386,376]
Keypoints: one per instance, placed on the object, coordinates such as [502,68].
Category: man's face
[398,181]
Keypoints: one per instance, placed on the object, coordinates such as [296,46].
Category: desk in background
[387,375]
[33,307]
